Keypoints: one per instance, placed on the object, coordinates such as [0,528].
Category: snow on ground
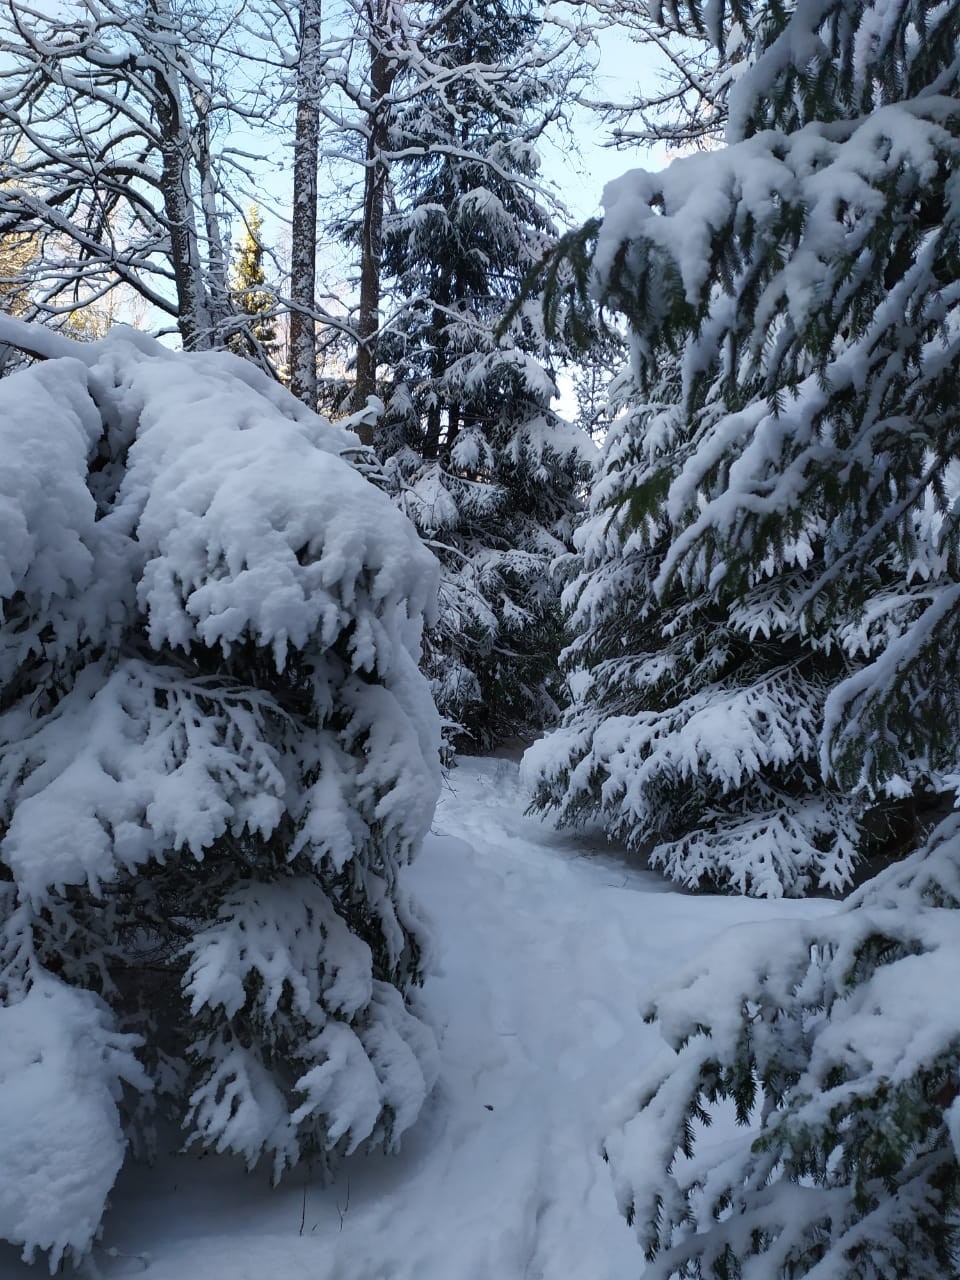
[547,943]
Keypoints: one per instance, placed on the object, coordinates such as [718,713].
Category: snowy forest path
[546,946]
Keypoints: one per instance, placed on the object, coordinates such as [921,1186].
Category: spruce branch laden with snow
[216,756]
[836,1044]
[692,728]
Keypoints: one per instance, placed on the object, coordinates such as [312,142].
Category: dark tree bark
[303,248]
[194,320]
[383,72]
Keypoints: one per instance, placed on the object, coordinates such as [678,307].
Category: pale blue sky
[579,172]
[622,69]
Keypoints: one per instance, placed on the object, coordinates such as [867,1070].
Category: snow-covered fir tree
[490,474]
[698,678]
[216,755]
[696,702]
[799,482]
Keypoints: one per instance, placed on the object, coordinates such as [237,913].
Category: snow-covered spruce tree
[809,276]
[693,716]
[216,754]
[700,666]
[489,473]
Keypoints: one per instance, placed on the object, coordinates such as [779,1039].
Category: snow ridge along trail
[546,946]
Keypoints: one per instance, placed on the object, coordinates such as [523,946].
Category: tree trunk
[218,299]
[383,70]
[193,316]
[196,330]
[303,247]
